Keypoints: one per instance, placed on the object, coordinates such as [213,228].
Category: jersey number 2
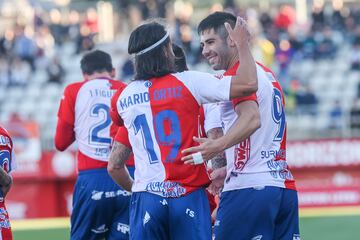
[96,111]
[173,138]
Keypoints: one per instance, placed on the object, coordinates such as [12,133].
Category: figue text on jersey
[157,95]
[106,93]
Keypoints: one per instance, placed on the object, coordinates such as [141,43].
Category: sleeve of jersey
[67,106]
[64,135]
[114,114]
[252,97]
[212,116]
[205,87]
[122,136]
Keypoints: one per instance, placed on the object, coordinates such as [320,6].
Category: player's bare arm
[5,181]
[247,123]
[219,160]
[246,83]
[116,166]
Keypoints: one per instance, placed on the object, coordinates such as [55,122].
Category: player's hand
[240,33]
[208,148]
[217,180]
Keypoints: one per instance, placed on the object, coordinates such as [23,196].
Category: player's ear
[113,73]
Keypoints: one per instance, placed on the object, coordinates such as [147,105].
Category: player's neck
[97,75]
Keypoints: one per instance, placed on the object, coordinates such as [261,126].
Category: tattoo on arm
[119,154]
[215,133]
[219,160]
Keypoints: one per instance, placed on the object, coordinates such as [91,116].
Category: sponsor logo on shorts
[95,195]
[167,189]
[100,229]
[123,228]
[146,218]
[164,202]
[296,237]
[258,237]
[190,212]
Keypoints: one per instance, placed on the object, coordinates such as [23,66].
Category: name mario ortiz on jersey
[155,95]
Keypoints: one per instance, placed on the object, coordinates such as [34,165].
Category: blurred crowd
[279,41]
[26,47]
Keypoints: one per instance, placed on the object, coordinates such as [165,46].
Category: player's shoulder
[268,72]
[74,87]
[189,74]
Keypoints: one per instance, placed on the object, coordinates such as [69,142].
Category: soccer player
[100,207]
[7,161]
[160,111]
[259,199]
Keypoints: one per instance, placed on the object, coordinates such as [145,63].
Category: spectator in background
[326,47]
[19,72]
[4,73]
[55,71]
[355,54]
[56,28]
[284,54]
[306,101]
[285,18]
[7,43]
[355,115]
[336,114]
[127,69]
[85,41]
[318,17]
[309,46]
[24,47]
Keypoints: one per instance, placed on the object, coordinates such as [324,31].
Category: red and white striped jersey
[86,106]
[7,156]
[161,116]
[259,160]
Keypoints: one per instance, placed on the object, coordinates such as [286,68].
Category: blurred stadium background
[313,46]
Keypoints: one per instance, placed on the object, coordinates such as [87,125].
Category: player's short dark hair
[96,61]
[216,22]
[158,61]
[180,59]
